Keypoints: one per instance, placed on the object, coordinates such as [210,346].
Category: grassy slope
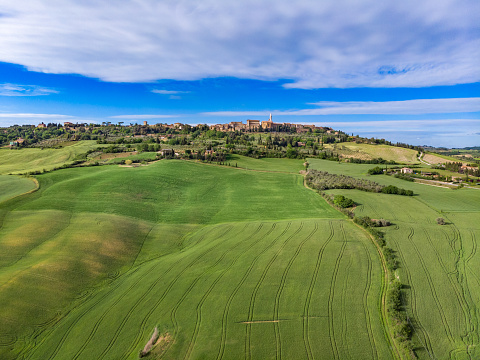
[180,192]
[367,151]
[34,159]
[11,186]
[434,158]
[440,264]
[231,274]
[161,241]
[267,164]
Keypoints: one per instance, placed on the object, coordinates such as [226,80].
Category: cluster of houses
[253,125]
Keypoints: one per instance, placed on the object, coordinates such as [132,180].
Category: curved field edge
[36,159]
[12,186]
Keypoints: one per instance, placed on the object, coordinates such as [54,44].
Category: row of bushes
[402,329]
[322,180]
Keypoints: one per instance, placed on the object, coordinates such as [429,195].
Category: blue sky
[405,71]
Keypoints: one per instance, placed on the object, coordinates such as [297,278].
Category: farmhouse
[406,170]
[167,152]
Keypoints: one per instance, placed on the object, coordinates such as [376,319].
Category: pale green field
[230,263]
[367,151]
[35,159]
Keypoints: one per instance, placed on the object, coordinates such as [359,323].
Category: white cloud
[314,44]
[418,106]
[25,90]
[168,92]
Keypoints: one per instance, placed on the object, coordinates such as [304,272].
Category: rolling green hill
[228,263]
[36,159]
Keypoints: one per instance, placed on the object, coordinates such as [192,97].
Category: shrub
[343,201]
[377,170]
[440,221]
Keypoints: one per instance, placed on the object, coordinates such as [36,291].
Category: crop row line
[276,307]
[145,319]
[173,313]
[331,323]
[426,342]
[207,293]
[251,308]
[308,299]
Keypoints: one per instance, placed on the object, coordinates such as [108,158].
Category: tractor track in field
[278,295]
[173,313]
[470,313]
[77,319]
[144,321]
[368,322]
[240,284]
[461,293]
[343,305]
[308,299]
[331,323]
[251,308]
[426,342]
[209,290]
[102,317]
[443,318]
[474,247]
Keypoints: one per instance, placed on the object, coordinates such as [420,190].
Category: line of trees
[322,180]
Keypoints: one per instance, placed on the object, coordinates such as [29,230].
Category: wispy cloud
[168,92]
[310,43]
[25,90]
[143,116]
[418,106]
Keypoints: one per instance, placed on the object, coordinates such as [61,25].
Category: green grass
[180,192]
[144,156]
[35,159]
[11,186]
[266,164]
[316,278]
[97,257]
[367,151]
[439,264]
[230,263]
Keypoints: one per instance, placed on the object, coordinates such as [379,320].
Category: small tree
[440,221]
[128,162]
